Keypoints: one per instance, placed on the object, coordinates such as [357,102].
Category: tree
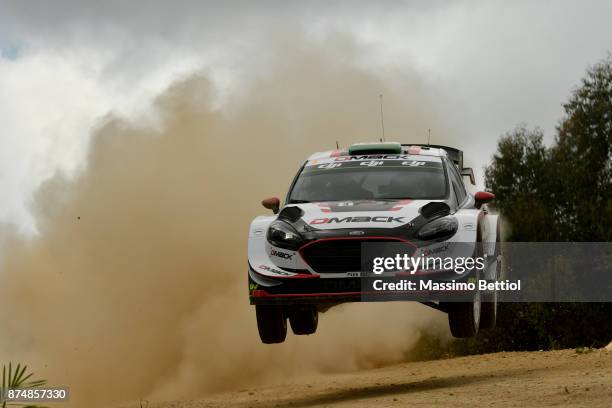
[583,156]
[559,194]
[520,177]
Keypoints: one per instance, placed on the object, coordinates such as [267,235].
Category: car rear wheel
[488,316]
[304,320]
[271,323]
[464,317]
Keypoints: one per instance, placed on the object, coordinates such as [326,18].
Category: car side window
[458,186]
[457,191]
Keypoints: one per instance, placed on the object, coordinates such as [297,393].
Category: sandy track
[522,379]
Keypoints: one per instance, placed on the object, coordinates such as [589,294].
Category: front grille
[336,255]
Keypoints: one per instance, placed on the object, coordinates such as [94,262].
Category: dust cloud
[136,285]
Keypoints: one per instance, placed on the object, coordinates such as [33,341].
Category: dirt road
[525,379]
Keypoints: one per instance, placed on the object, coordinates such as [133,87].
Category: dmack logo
[280,254]
[356,219]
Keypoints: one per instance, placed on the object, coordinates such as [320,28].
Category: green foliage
[583,154]
[561,193]
[519,176]
[17,377]
[542,326]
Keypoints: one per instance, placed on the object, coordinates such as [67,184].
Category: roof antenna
[428,136]
[382,119]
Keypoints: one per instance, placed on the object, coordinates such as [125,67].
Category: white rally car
[308,256]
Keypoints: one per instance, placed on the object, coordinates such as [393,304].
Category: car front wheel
[271,323]
[304,320]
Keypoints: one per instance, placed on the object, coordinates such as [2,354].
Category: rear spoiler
[455,155]
[468,171]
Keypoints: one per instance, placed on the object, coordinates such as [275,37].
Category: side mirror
[483,197]
[272,203]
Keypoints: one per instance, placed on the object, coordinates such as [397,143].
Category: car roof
[377,148]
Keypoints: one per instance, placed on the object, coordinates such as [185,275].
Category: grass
[17,377]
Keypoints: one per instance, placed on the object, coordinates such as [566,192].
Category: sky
[66,65]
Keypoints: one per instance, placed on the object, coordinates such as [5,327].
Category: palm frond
[17,379]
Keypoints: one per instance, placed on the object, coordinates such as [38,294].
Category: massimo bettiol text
[427,264]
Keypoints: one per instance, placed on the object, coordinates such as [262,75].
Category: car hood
[360,214]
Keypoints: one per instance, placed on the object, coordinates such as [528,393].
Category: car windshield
[370,179]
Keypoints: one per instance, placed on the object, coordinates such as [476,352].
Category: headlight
[444,227]
[283,235]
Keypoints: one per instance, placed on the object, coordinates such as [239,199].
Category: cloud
[496,64]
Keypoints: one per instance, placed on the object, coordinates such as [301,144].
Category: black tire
[304,320]
[488,312]
[271,323]
[464,317]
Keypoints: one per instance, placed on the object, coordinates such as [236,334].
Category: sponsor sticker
[279,254]
[362,218]
[273,270]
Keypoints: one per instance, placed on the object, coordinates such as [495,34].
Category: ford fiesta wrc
[345,207]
